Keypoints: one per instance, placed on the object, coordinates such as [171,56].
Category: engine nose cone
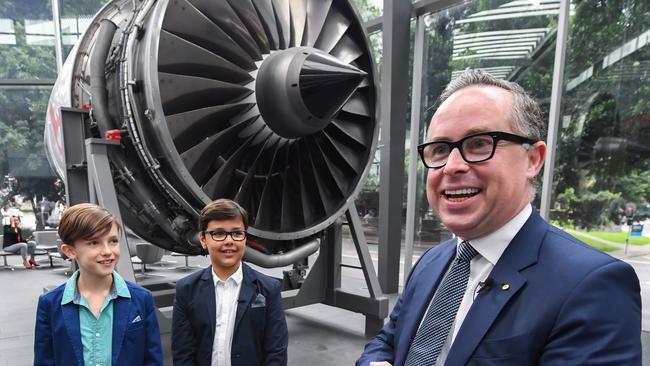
[299,90]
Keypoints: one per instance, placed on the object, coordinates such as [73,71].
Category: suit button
[237,355]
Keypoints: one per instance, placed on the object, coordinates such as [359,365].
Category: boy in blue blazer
[96,317]
[227,314]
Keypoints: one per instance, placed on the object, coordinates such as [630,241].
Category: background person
[510,289]
[14,242]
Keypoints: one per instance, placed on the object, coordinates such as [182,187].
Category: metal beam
[416,116]
[554,112]
[58,43]
[26,82]
[396,38]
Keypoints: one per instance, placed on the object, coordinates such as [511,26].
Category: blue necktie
[434,330]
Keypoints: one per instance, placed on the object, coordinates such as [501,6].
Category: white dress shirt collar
[492,246]
[237,277]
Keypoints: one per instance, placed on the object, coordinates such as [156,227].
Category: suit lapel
[71,322]
[522,252]
[420,293]
[246,294]
[207,294]
[121,312]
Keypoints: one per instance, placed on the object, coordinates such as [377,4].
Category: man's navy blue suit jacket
[260,334]
[566,304]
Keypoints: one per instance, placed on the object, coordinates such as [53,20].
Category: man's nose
[455,162]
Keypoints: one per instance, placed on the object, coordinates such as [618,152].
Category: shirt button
[98,335]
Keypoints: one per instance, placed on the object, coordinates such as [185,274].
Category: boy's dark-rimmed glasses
[220,235]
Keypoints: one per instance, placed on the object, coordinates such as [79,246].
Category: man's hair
[220,210]
[526,114]
[85,221]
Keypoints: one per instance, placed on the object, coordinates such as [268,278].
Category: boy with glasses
[227,314]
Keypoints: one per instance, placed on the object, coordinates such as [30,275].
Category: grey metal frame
[416,117]
[88,174]
[58,42]
[396,40]
[323,283]
[555,108]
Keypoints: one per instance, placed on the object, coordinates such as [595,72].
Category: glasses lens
[218,235]
[435,154]
[238,235]
[478,148]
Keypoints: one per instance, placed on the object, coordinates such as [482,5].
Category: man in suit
[228,314]
[509,289]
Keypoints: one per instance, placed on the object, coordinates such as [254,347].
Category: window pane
[512,40]
[76,17]
[27,40]
[369,9]
[24,170]
[603,161]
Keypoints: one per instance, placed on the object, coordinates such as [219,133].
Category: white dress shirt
[226,294]
[489,248]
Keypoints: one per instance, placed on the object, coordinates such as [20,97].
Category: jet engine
[271,103]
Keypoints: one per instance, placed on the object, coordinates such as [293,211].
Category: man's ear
[536,157]
[68,250]
[202,240]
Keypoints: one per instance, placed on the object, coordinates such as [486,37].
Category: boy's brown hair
[85,221]
[222,209]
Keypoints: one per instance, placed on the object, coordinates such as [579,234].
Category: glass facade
[602,175]
[601,178]
[369,9]
[510,40]
[27,40]
[27,71]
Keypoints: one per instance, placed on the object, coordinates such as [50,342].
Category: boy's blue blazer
[136,336]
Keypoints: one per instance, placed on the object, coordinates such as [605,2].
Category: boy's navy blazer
[260,333]
[136,336]
[554,301]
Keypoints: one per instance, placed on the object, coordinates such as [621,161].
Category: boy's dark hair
[85,221]
[222,209]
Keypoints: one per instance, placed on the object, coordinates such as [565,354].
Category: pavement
[329,335]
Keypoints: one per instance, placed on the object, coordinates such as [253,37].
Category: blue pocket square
[259,302]
[137,319]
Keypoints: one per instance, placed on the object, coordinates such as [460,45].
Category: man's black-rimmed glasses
[473,148]
[220,235]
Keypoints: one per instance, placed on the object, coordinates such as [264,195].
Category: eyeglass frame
[213,232]
[496,137]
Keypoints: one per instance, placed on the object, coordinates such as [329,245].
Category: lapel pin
[505,287]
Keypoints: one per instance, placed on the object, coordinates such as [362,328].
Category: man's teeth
[460,194]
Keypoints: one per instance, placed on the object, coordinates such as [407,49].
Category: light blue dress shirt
[96,333]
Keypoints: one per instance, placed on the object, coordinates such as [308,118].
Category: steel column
[416,116]
[58,44]
[100,181]
[396,29]
[555,109]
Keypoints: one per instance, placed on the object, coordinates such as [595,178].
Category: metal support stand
[323,283]
[88,174]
